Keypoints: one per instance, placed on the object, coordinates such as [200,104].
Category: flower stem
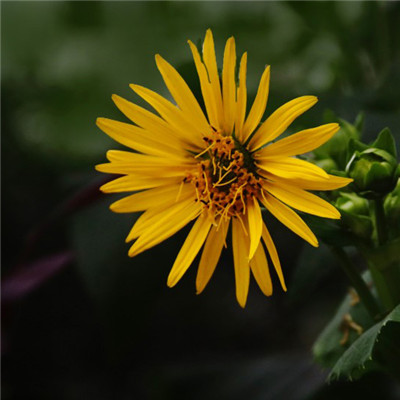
[357,282]
[390,272]
[380,221]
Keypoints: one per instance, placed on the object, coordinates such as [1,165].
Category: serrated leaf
[328,347]
[360,355]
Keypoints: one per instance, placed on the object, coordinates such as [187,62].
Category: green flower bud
[352,204]
[374,172]
[354,211]
[327,164]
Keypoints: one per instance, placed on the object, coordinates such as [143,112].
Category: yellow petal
[121,156]
[189,250]
[167,195]
[280,120]
[258,107]
[132,183]
[300,143]
[149,217]
[188,131]
[255,225]
[333,182]
[292,168]
[137,138]
[229,85]
[241,98]
[142,170]
[210,62]
[240,247]
[165,227]
[148,120]
[302,200]
[145,223]
[145,220]
[259,267]
[274,256]
[206,89]
[181,93]
[289,218]
[210,256]
[129,163]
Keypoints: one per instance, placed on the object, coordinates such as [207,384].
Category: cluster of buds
[375,172]
[374,168]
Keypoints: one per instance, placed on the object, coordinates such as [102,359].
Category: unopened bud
[374,172]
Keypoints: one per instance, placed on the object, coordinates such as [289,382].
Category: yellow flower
[216,169]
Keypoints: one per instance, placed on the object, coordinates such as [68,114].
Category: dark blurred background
[81,320]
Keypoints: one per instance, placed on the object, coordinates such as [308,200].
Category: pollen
[224,182]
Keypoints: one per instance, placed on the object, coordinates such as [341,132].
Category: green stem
[380,221]
[389,272]
[357,282]
[384,265]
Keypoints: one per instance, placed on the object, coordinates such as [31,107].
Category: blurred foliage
[107,326]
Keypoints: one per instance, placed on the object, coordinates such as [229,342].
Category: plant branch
[357,282]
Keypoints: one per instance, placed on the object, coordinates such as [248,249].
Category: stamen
[224,183]
[229,166]
[180,190]
[206,191]
[243,226]
[214,166]
[243,202]
[221,178]
[205,151]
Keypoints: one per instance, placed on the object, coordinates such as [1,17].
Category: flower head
[217,168]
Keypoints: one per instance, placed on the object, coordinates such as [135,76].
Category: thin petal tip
[199,291]
[132,251]
[242,303]
[314,243]
[115,98]
[99,121]
[102,190]
[134,86]
[171,282]
[98,168]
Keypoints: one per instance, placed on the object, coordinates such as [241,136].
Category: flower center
[226,177]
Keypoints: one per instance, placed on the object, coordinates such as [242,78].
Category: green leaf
[360,225]
[352,204]
[359,121]
[359,357]
[355,145]
[331,233]
[385,141]
[328,347]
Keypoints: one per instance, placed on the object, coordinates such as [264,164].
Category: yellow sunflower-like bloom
[216,169]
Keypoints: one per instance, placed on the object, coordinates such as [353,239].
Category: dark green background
[106,326]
